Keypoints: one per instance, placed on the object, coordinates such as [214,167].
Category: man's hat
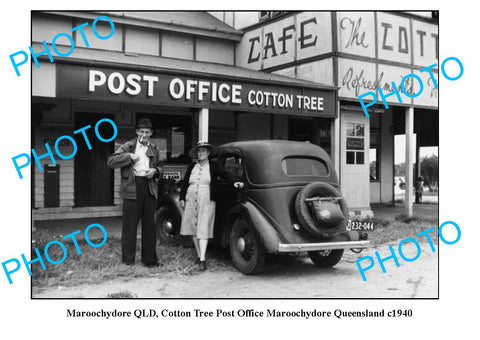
[144,123]
[202,144]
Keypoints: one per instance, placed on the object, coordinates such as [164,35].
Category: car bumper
[288,248]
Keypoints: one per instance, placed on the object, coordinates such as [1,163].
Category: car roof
[263,159]
[283,148]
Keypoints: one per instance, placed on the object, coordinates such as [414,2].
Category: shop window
[172,135]
[313,130]
[324,128]
[355,143]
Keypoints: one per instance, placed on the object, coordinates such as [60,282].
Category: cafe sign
[293,38]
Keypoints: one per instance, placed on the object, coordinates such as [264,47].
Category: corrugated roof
[198,20]
[195,23]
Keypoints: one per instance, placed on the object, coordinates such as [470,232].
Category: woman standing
[198,197]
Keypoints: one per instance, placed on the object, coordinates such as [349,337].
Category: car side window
[233,164]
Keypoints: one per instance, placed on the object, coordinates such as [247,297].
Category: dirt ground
[282,277]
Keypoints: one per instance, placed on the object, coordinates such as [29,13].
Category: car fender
[172,201]
[264,229]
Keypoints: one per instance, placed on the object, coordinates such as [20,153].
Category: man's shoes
[128,263]
[152,265]
[203,266]
[197,261]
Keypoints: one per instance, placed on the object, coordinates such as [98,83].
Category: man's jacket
[121,159]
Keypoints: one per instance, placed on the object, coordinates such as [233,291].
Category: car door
[227,195]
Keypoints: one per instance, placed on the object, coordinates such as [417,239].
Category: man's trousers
[133,210]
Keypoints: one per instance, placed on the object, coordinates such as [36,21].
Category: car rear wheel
[168,227]
[245,248]
[326,258]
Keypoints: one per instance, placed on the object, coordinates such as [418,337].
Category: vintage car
[290,202]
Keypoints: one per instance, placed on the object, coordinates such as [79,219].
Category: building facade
[224,76]
[357,52]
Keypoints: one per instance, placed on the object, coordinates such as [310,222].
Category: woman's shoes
[202,264]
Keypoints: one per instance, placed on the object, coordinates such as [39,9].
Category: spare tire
[334,216]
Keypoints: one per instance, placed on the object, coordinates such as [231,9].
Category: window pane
[234,166]
[360,158]
[359,130]
[172,136]
[350,129]
[299,166]
[350,157]
[178,142]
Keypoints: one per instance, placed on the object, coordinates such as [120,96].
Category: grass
[397,228]
[97,265]
[123,294]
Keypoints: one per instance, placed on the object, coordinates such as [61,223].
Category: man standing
[139,160]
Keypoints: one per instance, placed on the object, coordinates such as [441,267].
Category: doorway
[93,180]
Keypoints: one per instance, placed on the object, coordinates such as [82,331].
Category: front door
[355,169]
[93,184]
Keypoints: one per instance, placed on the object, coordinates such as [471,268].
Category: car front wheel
[245,248]
[167,227]
[326,258]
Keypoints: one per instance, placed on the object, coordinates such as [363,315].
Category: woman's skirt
[199,216]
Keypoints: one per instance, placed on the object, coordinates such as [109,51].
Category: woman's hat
[144,123]
[202,144]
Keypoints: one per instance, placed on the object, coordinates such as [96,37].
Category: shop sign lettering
[172,175]
[397,37]
[406,85]
[355,143]
[167,89]
[356,37]
[290,39]
[356,81]
[278,45]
